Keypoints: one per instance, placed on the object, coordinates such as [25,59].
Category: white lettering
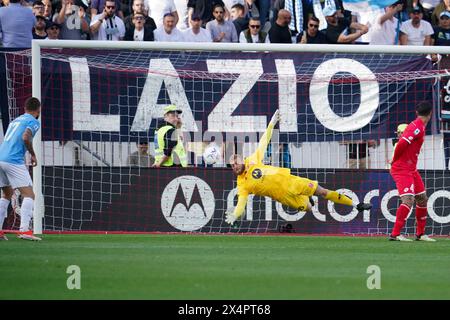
[74,280]
[384,205]
[430,206]
[162,71]
[289,217]
[83,120]
[374,281]
[73,21]
[351,215]
[220,118]
[331,209]
[318,95]
[367,199]
[287,95]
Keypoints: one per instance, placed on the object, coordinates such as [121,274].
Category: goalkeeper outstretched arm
[267,136]
[232,215]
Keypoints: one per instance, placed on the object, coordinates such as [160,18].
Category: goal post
[321,140]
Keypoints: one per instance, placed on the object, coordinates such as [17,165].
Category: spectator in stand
[443,6]
[279,32]
[221,30]
[16,25]
[125,7]
[73,20]
[238,17]
[98,6]
[264,9]
[139,31]
[337,31]
[312,33]
[411,5]
[106,25]
[428,6]
[203,8]
[39,28]
[368,17]
[230,3]
[52,30]
[48,9]
[300,11]
[441,35]
[254,34]
[416,31]
[158,9]
[196,33]
[251,9]
[38,8]
[168,31]
[183,17]
[384,31]
[141,157]
[139,7]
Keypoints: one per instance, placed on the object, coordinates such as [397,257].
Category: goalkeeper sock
[337,197]
[421,220]
[3,211]
[400,220]
[26,213]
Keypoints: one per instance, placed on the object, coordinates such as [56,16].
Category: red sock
[421,220]
[401,215]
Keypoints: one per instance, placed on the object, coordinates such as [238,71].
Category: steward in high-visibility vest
[169,149]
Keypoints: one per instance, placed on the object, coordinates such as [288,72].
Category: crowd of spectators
[406,22]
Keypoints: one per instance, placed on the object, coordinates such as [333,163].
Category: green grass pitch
[204,267]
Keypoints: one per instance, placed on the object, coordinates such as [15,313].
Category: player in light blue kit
[13,172]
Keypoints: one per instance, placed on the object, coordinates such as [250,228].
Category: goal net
[339,115]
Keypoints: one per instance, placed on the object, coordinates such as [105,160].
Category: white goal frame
[37,45]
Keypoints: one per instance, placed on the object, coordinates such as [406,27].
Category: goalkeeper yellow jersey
[274,182]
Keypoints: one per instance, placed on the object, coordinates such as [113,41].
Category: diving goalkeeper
[254,177]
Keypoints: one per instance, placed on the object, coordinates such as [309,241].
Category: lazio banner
[119,95]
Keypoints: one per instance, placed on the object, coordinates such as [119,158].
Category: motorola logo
[188,203]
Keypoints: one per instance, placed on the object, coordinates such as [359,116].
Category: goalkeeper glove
[230,218]
[275,117]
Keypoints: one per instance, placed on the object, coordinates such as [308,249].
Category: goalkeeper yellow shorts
[298,192]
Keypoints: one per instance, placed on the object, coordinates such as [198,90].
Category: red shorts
[408,182]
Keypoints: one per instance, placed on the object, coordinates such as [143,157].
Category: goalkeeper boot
[28,235]
[363,206]
[398,238]
[3,236]
[424,237]
[311,201]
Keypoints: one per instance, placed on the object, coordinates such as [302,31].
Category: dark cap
[416,9]
[142,141]
[50,24]
[196,16]
[37,3]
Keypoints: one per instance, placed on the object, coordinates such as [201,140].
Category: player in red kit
[408,180]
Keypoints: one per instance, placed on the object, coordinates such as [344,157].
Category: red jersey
[408,148]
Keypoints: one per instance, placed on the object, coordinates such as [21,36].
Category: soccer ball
[211,154]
